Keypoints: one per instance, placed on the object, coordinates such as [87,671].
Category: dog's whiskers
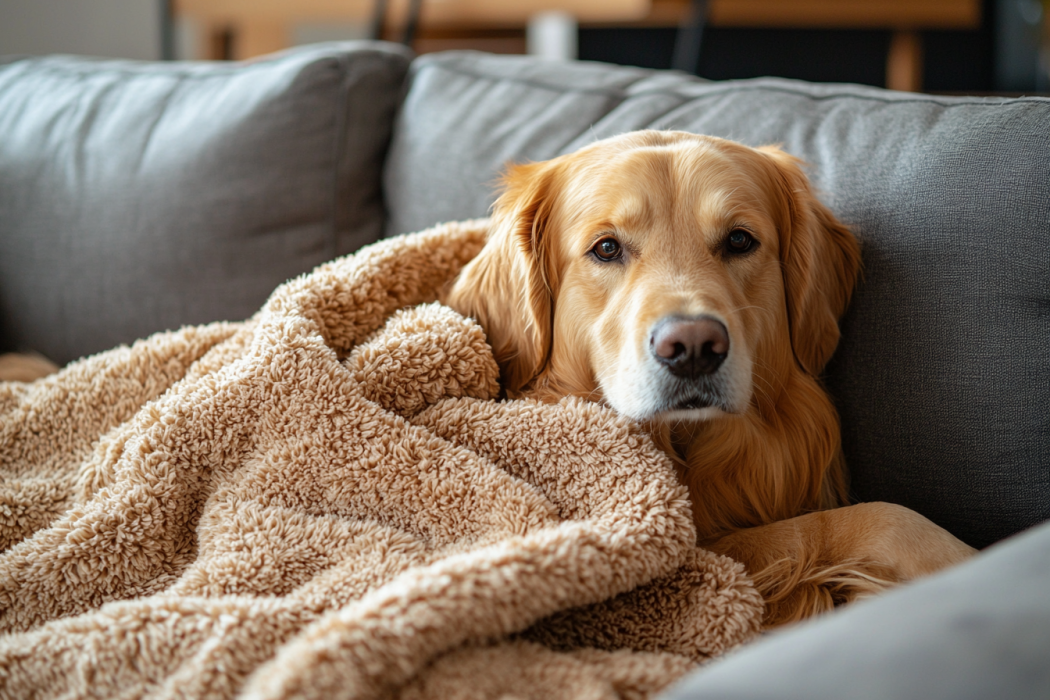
[768,392]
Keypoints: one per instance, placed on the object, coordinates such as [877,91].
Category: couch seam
[342,117]
[719,89]
[93,66]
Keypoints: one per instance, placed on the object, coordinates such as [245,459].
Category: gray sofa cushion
[137,197]
[973,633]
[943,375]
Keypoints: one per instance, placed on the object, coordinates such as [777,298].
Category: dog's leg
[811,563]
[24,368]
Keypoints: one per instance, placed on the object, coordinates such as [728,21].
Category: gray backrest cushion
[943,375]
[138,197]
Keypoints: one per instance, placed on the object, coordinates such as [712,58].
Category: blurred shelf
[905,18]
[247,28]
[826,14]
[239,29]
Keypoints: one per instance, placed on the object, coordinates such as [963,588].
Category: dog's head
[674,275]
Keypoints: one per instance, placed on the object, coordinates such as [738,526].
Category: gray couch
[140,197]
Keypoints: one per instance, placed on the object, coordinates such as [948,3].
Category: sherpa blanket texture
[328,501]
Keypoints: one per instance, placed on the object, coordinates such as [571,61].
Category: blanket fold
[328,501]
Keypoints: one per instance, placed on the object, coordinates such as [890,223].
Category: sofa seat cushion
[139,197]
[943,375]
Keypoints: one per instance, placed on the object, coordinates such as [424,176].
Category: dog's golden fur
[762,449]
[15,367]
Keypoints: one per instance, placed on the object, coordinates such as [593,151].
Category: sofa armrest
[979,631]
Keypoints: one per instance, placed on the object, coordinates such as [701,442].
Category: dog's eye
[739,241]
[608,249]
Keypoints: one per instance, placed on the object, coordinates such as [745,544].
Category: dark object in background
[689,40]
[954,61]
[1018,32]
[852,56]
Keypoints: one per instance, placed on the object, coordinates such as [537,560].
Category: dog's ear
[509,286]
[821,261]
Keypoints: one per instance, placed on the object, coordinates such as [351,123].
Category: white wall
[111,28]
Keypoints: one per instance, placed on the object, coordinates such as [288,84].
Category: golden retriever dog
[695,285]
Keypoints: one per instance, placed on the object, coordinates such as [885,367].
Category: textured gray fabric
[137,197]
[943,376]
[977,632]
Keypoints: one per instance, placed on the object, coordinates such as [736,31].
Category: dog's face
[668,265]
[676,276]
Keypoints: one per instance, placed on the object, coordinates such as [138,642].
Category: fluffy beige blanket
[326,501]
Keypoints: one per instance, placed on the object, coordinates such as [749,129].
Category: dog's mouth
[664,399]
[693,404]
[696,406]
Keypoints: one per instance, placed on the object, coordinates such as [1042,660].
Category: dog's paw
[898,539]
[814,562]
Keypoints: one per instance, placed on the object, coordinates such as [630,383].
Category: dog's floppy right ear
[821,262]
[508,287]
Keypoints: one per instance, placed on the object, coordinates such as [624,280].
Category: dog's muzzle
[691,349]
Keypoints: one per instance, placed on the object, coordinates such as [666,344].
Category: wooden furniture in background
[247,28]
[263,26]
[904,18]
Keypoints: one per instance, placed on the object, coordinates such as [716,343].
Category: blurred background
[948,46]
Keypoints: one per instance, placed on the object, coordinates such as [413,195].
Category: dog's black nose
[690,347]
